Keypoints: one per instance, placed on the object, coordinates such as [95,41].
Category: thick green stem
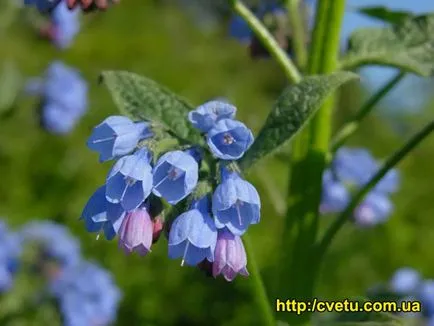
[258,288]
[318,34]
[351,126]
[358,197]
[298,30]
[267,41]
[297,277]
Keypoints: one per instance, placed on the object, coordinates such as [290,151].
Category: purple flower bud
[229,139]
[230,256]
[136,232]
[207,115]
[117,136]
[193,235]
[130,180]
[235,204]
[157,228]
[175,176]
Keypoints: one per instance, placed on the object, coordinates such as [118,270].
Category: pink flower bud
[135,233]
[158,226]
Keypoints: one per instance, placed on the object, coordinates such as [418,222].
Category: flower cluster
[208,233]
[64,97]
[65,253]
[86,294]
[10,250]
[407,284]
[350,170]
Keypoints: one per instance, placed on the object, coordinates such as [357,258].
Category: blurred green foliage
[46,176]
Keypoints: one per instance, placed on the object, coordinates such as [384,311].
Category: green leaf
[408,46]
[290,113]
[385,14]
[10,86]
[143,99]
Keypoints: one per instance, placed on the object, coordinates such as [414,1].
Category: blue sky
[412,92]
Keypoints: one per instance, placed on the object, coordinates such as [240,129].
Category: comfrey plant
[63,97]
[45,259]
[218,209]
[182,168]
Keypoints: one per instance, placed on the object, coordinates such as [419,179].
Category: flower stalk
[307,164]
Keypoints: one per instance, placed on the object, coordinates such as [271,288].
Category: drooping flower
[235,204]
[207,115]
[63,94]
[193,235]
[117,136]
[405,281]
[374,209]
[175,176]
[65,24]
[101,215]
[136,232]
[230,256]
[229,139]
[130,180]
[87,295]
[335,197]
